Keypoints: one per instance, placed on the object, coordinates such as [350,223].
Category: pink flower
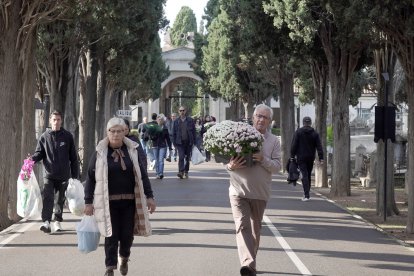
[26,169]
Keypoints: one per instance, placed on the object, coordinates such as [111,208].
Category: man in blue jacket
[305,143]
[56,148]
[183,138]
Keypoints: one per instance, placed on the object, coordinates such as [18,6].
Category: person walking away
[250,189]
[150,132]
[134,138]
[119,194]
[199,128]
[183,138]
[170,124]
[305,143]
[141,128]
[160,147]
[56,148]
[207,124]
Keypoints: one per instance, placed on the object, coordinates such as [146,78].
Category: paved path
[194,236]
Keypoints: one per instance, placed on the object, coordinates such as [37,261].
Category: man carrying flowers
[250,189]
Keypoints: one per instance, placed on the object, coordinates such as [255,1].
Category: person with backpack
[305,143]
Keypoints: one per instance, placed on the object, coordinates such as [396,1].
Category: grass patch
[392,226]
[361,209]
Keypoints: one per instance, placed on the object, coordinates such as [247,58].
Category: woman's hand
[151,205]
[88,209]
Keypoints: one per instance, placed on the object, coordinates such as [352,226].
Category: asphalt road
[193,235]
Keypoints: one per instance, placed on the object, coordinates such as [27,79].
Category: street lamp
[179,94]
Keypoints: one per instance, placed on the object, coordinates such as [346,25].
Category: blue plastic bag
[88,234]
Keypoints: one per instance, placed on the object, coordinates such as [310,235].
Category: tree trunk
[319,76]
[248,109]
[410,168]
[385,60]
[100,108]
[341,64]
[287,117]
[70,120]
[390,188]
[89,107]
[25,113]
[55,68]
[81,119]
[10,105]
[341,154]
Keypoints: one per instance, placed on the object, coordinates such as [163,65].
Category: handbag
[293,171]
[88,234]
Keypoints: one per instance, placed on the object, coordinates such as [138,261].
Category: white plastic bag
[29,198]
[197,157]
[75,195]
[88,234]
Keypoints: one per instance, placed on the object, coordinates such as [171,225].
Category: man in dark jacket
[304,144]
[56,148]
[183,139]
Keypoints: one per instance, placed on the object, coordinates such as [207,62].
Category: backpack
[293,171]
[152,131]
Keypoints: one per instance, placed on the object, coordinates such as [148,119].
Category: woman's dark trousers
[122,220]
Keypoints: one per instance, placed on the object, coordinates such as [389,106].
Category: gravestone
[359,169]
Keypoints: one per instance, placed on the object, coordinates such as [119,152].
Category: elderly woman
[160,146]
[119,193]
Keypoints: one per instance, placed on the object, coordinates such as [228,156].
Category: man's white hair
[115,122]
[161,117]
[266,107]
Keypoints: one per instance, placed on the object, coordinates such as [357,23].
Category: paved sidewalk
[193,235]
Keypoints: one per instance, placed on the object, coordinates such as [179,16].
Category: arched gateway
[177,59]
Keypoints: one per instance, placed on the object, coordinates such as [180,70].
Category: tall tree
[19,20]
[343,34]
[122,38]
[184,23]
[247,59]
[395,19]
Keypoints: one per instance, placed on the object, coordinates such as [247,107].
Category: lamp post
[179,94]
[204,105]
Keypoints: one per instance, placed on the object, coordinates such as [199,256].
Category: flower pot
[249,159]
[222,158]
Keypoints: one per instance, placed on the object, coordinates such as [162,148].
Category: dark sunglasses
[182,110]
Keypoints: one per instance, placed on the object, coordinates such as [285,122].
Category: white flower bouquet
[229,138]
